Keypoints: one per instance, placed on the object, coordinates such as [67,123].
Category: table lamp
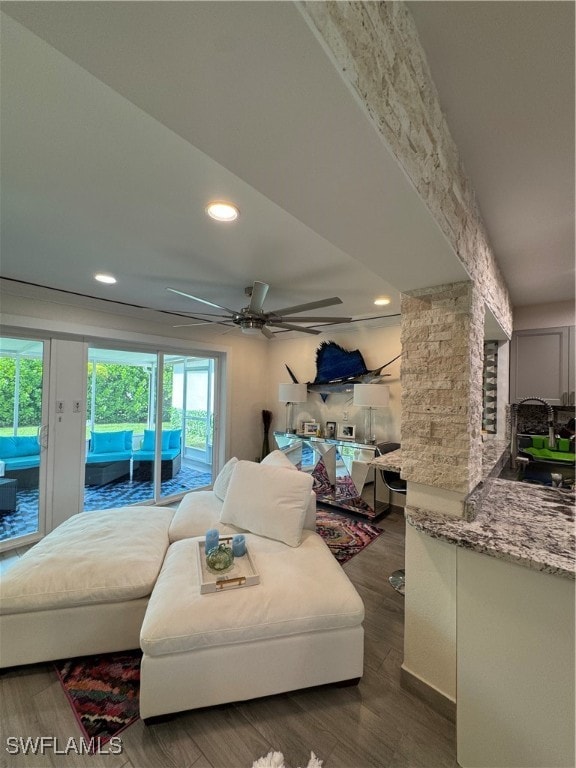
[370,396]
[290,394]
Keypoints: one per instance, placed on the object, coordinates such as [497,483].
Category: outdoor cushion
[149,441]
[149,455]
[107,442]
[175,438]
[300,590]
[269,501]
[223,480]
[93,557]
[11,447]
[103,458]
[22,462]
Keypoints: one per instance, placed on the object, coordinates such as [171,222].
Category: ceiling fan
[252,319]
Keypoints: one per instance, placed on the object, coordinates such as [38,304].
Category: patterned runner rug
[103,692]
[344,536]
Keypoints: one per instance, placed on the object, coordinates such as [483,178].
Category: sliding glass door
[150,426]
[23,438]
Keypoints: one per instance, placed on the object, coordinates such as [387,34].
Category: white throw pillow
[220,486]
[278,459]
[268,501]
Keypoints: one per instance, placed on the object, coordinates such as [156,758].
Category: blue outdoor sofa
[107,461]
[21,456]
[108,457]
[171,455]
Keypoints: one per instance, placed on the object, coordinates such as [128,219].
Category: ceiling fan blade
[273,320]
[267,332]
[196,314]
[296,328]
[202,301]
[205,322]
[259,291]
[310,305]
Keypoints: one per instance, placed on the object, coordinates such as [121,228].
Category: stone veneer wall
[376,47]
[442,387]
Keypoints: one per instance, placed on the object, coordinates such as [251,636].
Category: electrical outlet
[76,406]
[59,406]
[345,416]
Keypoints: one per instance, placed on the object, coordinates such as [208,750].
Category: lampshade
[371,395]
[292,393]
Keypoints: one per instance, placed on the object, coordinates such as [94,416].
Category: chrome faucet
[514,427]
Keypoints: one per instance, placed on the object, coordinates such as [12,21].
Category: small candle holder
[239,545]
[212,539]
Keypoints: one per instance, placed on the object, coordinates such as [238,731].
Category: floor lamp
[290,394]
[370,396]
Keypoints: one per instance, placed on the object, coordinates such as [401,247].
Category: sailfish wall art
[338,369]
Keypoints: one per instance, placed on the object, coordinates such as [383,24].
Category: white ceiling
[120,120]
[505,77]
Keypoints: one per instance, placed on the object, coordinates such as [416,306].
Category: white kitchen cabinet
[542,365]
[515,665]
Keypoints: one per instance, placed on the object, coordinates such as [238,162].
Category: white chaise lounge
[84,588]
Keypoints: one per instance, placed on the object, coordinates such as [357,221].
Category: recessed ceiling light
[382,301]
[222,211]
[103,278]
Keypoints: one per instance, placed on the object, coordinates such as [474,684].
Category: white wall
[544,316]
[377,345]
[430,612]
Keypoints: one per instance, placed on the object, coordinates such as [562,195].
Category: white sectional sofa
[123,578]
[85,587]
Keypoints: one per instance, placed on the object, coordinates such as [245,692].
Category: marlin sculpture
[338,369]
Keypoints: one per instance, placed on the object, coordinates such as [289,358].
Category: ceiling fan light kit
[253,319]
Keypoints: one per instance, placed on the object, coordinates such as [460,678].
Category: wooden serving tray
[240,574]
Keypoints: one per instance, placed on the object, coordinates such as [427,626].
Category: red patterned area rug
[344,536]
[103,692]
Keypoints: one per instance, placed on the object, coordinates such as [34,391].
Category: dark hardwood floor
[375,724]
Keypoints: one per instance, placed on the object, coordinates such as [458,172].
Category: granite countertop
[390,461]
[530,525]
[494,455]
[526,524]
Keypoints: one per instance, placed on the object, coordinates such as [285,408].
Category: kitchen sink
[551,473]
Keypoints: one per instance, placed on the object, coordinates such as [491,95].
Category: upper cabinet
[542,365]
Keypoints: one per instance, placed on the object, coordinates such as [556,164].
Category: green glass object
[220,558]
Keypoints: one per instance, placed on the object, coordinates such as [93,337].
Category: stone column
[441,377]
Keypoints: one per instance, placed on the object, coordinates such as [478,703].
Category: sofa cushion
[278,459]
[175,438]
[94,557]
[149,455]
[107,442]
[269,501]
[11,447]
[197,512]
[223,480]
[149,441]
[22,462]
[108,458]
[300,590]
[200,510]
